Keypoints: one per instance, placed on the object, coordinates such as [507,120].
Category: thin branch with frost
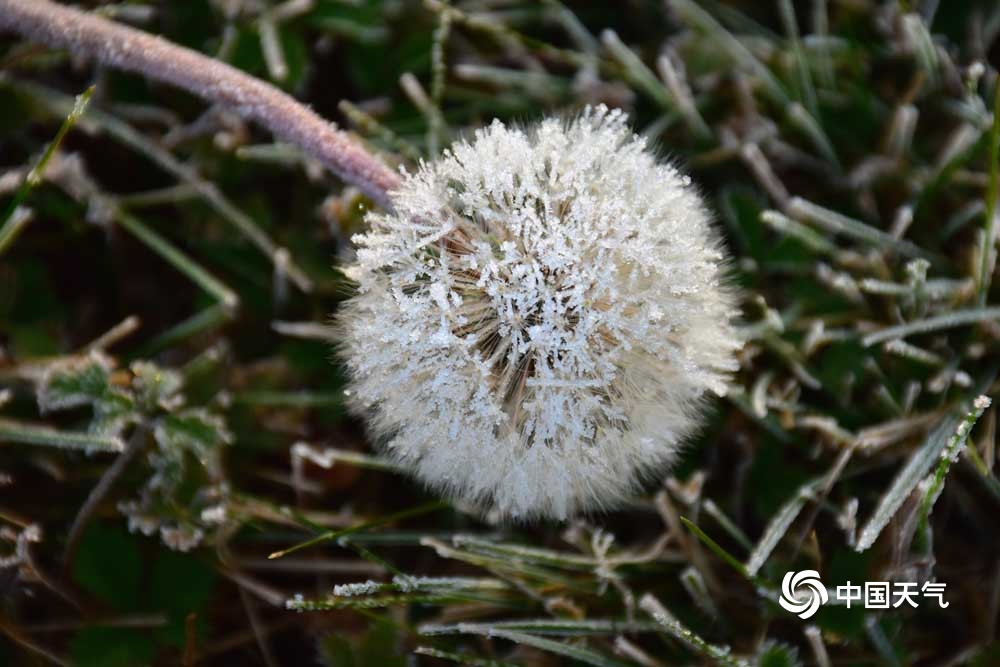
[132,50]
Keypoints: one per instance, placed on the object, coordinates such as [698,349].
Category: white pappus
[538,320]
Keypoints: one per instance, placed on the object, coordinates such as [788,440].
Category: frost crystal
[538,320]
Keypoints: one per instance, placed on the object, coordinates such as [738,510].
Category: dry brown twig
[132,50]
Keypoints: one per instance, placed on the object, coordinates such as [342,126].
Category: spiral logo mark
[804,605]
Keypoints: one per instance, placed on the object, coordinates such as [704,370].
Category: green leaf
[108,565]
[771,492]
[989,655]
[195,430]
[155,387]
[190,23]
[374,68]
[296,54]
[74,383]
[110,647]
[77,382]
[773,654]
[846,566]
[15,114]
[33,301]
[839,364]
[246,53]
[180,584]
[740,208]
[33,341]
[356,22]
[337,651]
[113,413]
[381,647]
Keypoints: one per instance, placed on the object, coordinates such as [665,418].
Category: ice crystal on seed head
[538,319]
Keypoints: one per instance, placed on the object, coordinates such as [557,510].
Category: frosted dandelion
[539,319]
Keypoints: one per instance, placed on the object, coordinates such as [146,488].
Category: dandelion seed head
[539,318]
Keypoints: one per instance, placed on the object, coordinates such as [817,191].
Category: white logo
[807,605]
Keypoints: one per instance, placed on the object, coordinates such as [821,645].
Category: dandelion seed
[539,319]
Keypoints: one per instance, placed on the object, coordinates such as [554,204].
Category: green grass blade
[574,652]
[988,247]
[717,654]
[778,526]
[36,434]
[837,223]
[716,548]
[169,252]
[334,534]
[949,456]
[469,660]
[690,12]
[14,224]
[204,320]
[955,318]
[555,627]
[906,480]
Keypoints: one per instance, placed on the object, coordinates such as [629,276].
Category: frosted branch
[132,50]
